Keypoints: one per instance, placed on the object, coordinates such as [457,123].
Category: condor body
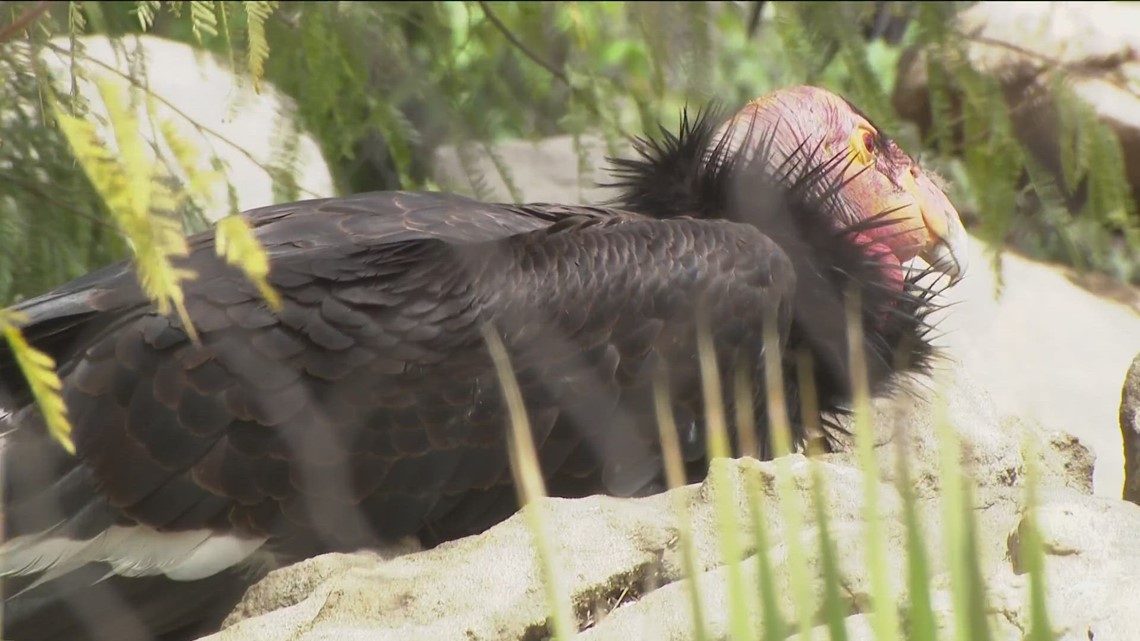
[368,409]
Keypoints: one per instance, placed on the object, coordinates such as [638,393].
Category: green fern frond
[286,142]
[76,21]
[1109,187]
[1071,133]
[219,166]
[146,11]
[476,180]
[39,371]
[200,180]
[203,19]
[504,172]
[257,12]
[931,21]
[1054,214]
[235,242]
[76,26]
[138,203]
[224,19]
[401,135]
[801,45]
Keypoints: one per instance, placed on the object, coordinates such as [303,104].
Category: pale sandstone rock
[626,552]
[1130,431]
[213,110]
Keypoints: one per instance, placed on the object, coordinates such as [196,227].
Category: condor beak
[946,245]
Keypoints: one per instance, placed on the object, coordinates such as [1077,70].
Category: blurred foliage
[53,226]
[381,86]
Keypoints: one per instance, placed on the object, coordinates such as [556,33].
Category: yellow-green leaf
[201,178]
[140,205]
[39,371]
[203,20]
[257,12]
[234,241]
[146,10]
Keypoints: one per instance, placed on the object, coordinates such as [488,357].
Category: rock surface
[622,561]
[212,110]
[1130,431]
[1092,567]
[541,171]
[1047,349]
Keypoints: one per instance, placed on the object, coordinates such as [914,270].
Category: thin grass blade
[675,477]
[834,611]
[773,626]
[531,488]
[1033,552]
[975,585]
[781,442]
[950,474]
[920,623]
[885,618]
[740,624]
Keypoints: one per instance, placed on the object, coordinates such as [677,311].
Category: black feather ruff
[794,201]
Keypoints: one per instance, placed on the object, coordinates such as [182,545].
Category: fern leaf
[1109,188]
[219,166]
[257,12]
[76,25]
[932,28]
[283,168]
[234,241]
[200,181]
[504,172]
[76,21]
[39,371]
[1053,211]
[203,19]
[125,181]
[1074,146]
[475,178]
[223,15]
[145,11]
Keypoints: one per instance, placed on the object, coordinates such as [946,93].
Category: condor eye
[868,141]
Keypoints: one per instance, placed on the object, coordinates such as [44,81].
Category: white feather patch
[130,551]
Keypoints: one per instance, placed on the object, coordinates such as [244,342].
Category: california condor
[368,409]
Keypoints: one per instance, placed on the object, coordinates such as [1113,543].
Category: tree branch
[518,44]
[754,18]
[23,20]
[1085,68]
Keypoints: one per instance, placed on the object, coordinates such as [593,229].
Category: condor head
[898,210]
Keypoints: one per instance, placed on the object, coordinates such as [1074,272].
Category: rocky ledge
[622,561]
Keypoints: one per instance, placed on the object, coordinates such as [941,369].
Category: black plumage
[368,409]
